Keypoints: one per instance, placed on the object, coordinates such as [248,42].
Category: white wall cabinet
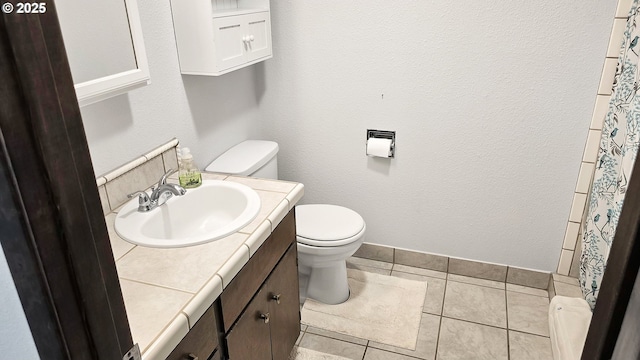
[214,41]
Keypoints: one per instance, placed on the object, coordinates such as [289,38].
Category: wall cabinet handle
[192,357]
[265,317]
[276,298]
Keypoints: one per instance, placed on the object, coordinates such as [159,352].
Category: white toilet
[326,234]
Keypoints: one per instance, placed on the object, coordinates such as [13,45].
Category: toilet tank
[257,158]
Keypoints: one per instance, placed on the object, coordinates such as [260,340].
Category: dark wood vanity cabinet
[258,314]
[201,341]
[270,325]
[268,322]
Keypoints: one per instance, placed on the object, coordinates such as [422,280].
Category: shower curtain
[618,150]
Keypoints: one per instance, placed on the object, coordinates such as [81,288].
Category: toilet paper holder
[383,134]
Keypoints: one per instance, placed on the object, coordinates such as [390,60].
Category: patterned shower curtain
[618,150]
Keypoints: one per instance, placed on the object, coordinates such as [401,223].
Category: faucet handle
[163,179]
[144,202]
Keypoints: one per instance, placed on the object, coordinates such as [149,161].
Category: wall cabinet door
[284,305]
[258,29]
[241,39]
[228,33]
[249,338]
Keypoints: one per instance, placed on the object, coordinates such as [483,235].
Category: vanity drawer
[242,288]
[201,340]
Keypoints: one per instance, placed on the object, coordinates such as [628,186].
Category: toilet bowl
[326,234]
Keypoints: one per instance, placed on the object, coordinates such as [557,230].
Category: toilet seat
[324,225]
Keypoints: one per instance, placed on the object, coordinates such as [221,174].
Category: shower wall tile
[574,271]
[584,178]
[375,252]
[579,201]
[615,42]
[623,8]
[608,72]
[571,235]
[600,111]
[565,262]
[592,146]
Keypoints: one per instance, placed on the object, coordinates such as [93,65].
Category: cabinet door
[284,305]
[201,340]
[258,28]
[249,337]
[228,33]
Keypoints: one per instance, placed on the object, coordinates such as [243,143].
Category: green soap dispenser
[189,175]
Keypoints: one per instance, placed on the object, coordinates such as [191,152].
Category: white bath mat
[381,308]
[306,354]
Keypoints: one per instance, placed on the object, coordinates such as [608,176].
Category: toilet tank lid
[244,158]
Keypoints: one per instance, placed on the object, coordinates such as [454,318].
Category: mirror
[105,48]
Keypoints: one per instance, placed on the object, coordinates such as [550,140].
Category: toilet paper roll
[379,147]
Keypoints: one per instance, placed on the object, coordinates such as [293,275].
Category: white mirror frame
[102,88]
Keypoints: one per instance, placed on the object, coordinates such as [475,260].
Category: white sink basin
[207,213]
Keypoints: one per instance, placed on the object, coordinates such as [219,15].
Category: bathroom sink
[206,213]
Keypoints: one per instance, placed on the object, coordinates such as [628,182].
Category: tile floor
[463,318]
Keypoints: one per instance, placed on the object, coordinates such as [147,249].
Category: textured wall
[490,102]
[16,340]
[207,114]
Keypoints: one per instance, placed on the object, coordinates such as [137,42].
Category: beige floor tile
[435,291]
[335,335]
[426,344]
[375,354]
[528,313]
[332,346]
[529,347]
[464,341]
[420,271]
[476,281]
[475,303]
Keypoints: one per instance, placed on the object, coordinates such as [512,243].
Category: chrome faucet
[159,195]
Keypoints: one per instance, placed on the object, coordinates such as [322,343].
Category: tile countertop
[167,290]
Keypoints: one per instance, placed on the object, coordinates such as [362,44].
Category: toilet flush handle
[276,298]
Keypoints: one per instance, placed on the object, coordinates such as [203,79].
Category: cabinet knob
[276,298]
[250,37]
[265,317]
[192,357]
[245,38]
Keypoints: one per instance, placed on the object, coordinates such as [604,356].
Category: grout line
[485,286]
[506,311]
[446,282]
[477,323]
